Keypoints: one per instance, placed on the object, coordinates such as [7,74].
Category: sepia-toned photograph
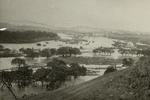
[74,49]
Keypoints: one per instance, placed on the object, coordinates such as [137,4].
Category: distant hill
[37,26]
[27,27]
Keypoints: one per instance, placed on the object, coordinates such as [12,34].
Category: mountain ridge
[37,26]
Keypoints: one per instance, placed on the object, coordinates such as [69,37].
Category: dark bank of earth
[26,36]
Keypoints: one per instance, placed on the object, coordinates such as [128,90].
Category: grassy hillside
[130,84]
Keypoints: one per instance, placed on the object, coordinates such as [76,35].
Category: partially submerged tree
[41,75]
[104,50]
[76,51]
[46,53]
[31,53]
[24,77]
[53,51]
[18,62]
[65,51]
[62,51]
[60,72]
[1,47]
[77,70]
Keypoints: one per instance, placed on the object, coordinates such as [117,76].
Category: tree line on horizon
[122,51]
[26,36]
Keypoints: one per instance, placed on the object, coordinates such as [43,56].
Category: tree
[55,63]
[46,53]
[53,51]
[1,47]
[24,76]
[139,52]
[7,50]
[68,51]
[95,51]
[22,50]
[130,62]
[121,51]
[105,50]
[59,73]
[77,70]
[34,54]
[31,53]
[8,77]
[62,51]
[41,75]
[110,69]
[18,62]
[146,52]
[76,51]
[127,62]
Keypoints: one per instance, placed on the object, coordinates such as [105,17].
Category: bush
[110,69]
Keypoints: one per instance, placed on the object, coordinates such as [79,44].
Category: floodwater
[88,46]
[36,89]
[93,42]
[93,70]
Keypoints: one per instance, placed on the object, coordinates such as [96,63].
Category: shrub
[110,69]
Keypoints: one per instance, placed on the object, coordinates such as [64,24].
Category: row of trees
[68,51]
[118,44]
[129,51]
[56,73]
[64,51]
[145,52]
[6,52]
[32,53]
[104,50]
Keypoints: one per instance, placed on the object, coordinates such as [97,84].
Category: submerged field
[95,64]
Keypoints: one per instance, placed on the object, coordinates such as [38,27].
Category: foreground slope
[129,84]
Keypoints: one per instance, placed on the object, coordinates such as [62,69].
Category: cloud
[115,14]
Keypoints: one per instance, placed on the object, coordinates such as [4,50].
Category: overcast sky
[114,14]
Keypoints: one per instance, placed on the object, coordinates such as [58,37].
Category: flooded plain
[88,46]
[93,71]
